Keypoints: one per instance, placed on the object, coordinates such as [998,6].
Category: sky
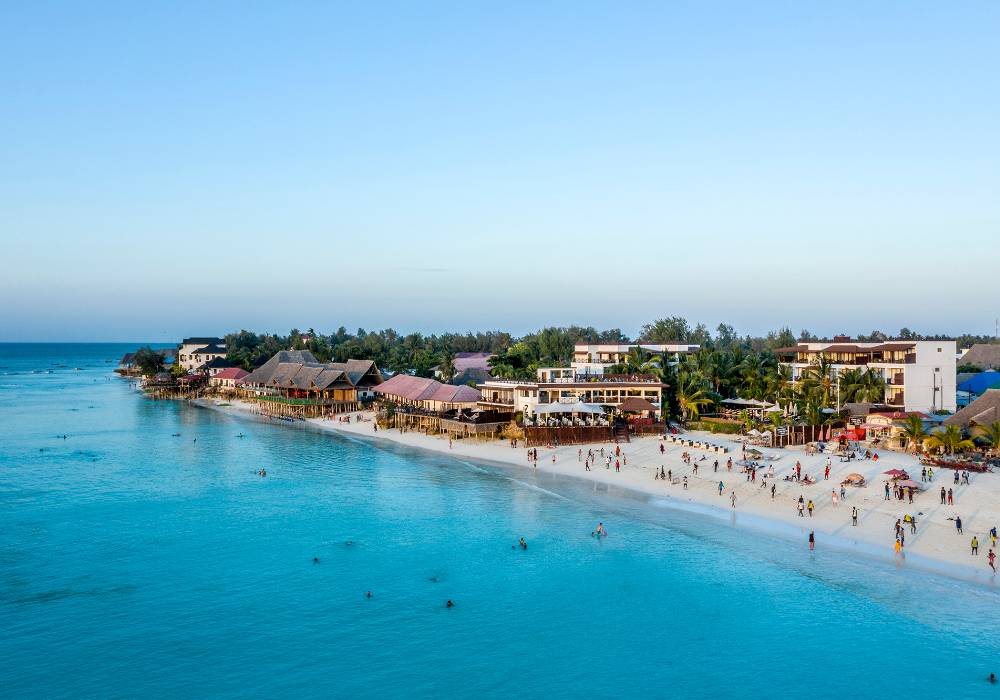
[179,169]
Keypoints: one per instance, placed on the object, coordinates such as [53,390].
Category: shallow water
[135,563]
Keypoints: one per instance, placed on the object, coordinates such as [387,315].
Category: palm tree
[811,411]
[692,394]
[990,434]
[863,386]
[949,439]
[916,434]
[818,379]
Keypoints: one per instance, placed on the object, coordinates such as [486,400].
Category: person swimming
[600,531]
[368,594]
[524,545]
[450,604]
[315,560]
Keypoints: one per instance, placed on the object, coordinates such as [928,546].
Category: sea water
[143,556]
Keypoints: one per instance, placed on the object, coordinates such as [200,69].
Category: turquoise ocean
[137,563]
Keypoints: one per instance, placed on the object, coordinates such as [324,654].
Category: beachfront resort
[841,433]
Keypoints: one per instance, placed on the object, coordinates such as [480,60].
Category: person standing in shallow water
[812,540]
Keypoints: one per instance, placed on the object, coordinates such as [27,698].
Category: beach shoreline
[936,548]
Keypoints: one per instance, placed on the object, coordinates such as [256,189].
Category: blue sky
[186,169]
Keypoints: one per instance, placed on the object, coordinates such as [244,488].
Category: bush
[716,427]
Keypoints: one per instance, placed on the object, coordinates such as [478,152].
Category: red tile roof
[232,373]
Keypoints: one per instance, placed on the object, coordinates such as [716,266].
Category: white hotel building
[595,359]
[919,375]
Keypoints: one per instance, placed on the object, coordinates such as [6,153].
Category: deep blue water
[134,564]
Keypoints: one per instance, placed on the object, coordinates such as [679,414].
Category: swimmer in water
[600,531]
[368,594]
[524,545]
[315,560]
[450,604]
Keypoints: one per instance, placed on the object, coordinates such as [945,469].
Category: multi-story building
[597,358]
[919,375]
[642,392]
[195,352]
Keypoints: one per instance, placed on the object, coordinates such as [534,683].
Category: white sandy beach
[935,546]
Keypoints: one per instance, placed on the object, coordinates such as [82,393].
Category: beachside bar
[427,405]
[293,384]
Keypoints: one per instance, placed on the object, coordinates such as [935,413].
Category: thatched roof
[982,355]
[634,404]
[299,369]
[422,389]
[982,411]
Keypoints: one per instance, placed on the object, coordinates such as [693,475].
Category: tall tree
[148,361]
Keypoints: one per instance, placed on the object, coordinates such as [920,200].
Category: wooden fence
[535,437]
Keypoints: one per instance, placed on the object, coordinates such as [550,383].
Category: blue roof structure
[981,382]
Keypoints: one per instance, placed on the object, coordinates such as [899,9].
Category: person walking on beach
[729,464]
[685,483]
[618,466]
[812,540]
[951,498]
[854,516]
[993,535]
[826,473]
[772,492]
[975,546]
[923,474]
[732,498]
[715,467]
[887,492]
[810,507]
[843,493]
[899,547]
[958,523]
[721,488]
[661,448]
[801,508]
[833,498]
[944,496]
[991,558]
